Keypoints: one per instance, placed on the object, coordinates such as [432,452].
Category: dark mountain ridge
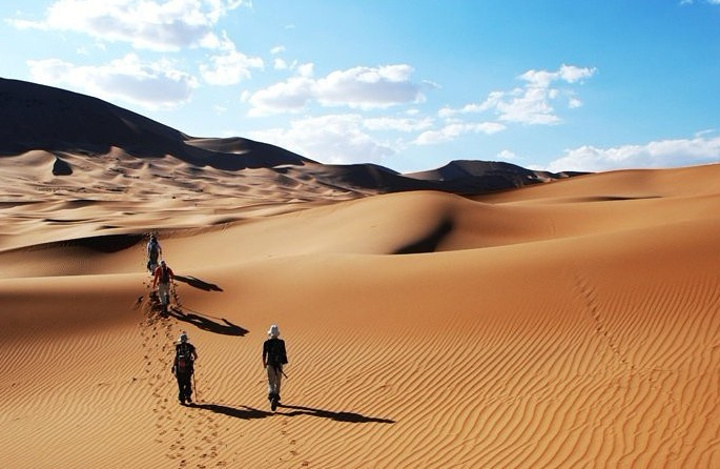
[39,117]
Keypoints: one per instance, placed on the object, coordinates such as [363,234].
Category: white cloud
[507,155]
[567,73]
[368,87]
[574,103]
[152,85]
[277,50]
[447,112]
[146,24]
[657,154]
[306,70]
[230,67]
[331,139]
[359,87]
[400,125]
[289,96]
[702,133]
[454,130]
[532,103]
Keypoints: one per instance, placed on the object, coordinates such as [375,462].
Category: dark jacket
[185,356]
[274,353]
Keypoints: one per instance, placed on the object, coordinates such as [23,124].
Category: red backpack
[184,358]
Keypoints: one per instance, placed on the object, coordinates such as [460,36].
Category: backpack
[276,352]
[164,275]
[153,250]
[184,358]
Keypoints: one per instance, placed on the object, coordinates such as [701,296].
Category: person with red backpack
[183,368]
[162,279]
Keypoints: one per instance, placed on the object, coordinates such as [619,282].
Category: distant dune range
[38,117]
[480,315]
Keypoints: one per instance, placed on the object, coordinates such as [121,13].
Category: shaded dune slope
[36,117]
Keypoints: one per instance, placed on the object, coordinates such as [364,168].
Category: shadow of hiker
[245,413]
[337,416]
[206,323]
[197,283]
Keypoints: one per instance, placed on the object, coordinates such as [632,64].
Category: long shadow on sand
[205,322]
[245,413]
[337,416]
[197,283]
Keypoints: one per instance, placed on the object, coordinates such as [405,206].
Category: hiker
[163,276]
[274,357]
[185,356]
[154,252]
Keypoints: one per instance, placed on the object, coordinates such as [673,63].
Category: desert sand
[569,324]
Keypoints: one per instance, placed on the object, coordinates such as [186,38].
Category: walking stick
[197,391]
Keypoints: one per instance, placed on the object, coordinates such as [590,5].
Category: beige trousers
[274,376]
[164,293]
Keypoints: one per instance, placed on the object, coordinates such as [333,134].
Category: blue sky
[409,84]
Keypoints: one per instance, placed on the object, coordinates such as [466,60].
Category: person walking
[274,357]
[184,367]
[154,253]
[162,279]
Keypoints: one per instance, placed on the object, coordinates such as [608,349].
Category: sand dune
[570,324]
[75,134]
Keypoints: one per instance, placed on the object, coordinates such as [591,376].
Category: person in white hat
[154,253]
[274,357]
[183,367]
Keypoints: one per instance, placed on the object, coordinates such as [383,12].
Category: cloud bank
[145,24]
[333,139]
[657,154]
[149,84]
[359,87]
[532,103]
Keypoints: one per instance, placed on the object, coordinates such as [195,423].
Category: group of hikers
[274,354]
[163,275]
